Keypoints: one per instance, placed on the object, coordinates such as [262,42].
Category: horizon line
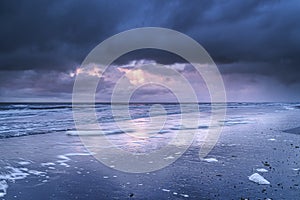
[139,102]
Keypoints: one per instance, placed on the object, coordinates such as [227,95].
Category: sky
[255,45]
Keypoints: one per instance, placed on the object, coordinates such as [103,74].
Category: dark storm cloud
[59,34]
[55,34]
[43,40]
[260,37]
[49,82]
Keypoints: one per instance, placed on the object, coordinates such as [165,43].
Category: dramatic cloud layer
[256,44]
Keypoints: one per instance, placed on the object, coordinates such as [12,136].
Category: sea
[21,119]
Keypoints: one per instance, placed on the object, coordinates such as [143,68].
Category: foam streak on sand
[262,170]
[3,188]
[210,160]
[14,174]
[184,195]
[37,173]
[65,157]
[47,164]
[24,163]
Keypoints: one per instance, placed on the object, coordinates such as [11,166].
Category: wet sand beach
[58,166]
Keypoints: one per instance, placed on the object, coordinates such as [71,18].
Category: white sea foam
[19,173]
[37,173]
[24,163]
[289,107]
[13,174]
[66,157]
[64,164]
[166,190]
[51,167]
[258,179]
[262,170]
[3,188]
[184,195]
[272,139]
[24,169]
[169,158]
[48,164]
[210,160]
[84,133]
[79,154]
[63,159]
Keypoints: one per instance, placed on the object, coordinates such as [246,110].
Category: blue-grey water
[20,119]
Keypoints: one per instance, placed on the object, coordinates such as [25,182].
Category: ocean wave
[297,106]
[33,107]
[11,135]
[42,118]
